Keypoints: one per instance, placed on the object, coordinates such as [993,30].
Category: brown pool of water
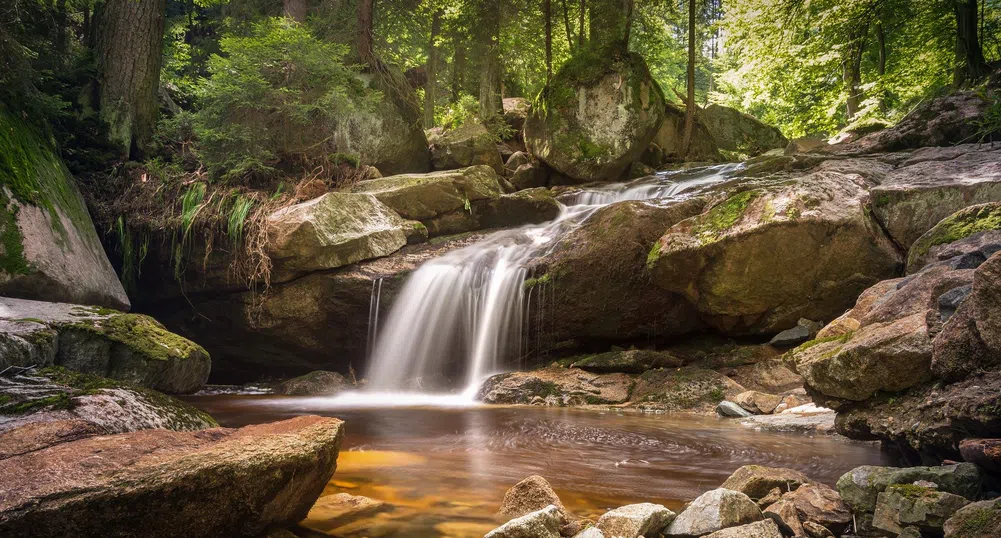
[442,472]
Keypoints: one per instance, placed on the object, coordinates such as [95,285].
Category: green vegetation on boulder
[979,220]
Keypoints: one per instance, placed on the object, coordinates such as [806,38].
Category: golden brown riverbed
[443,471]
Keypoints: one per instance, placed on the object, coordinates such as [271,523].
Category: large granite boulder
[909,505]
[670,139]
[822,249]
[331,231]
[822,505]
[468,145]
[712,511]
[126,347]
[318,383]
[861,486]
[556,386]
[759,529]
[970,340]
[218,482]
[51,251]
[635,520]
[683,389]
[531,494]
[756,481]
[734,130]
[933,184]
[597,115]
[967,231]
[543,523]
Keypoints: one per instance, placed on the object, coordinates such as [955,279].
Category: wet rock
[933,184]
[51,250]
[638,170]
[333,511]
[791,337]
[126,347]
[914,506]
[544,523]
[785,515]
[670,138]
[757,481]
[246,481]
[313,384]
[527,206]
[331,231]
[635,520]
[806,419]
[820,504]
[468,145]
[732,410]
[975,229]
[713,511]
[591,126]
[816,222]
[528,176]
[861,486]
[984,452]
[758,403]
[975,520]
[634,361]
[759,529]
[735,131]
[556,386]
[683,389]
[531,494]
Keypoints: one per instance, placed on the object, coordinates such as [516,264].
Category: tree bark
[580,24]
[491,99]
[853,72]
[970,63]
[566,24]
[431,86]
[458,67]
[364,43]
[690,104]
[129,54]
[547,12]
[881,64]
[296,9]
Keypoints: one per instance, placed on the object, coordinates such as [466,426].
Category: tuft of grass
[238,218]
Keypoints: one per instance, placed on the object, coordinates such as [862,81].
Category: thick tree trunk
[881,64]
[364,43]
[129,54]
[491,99]
[580,24]
[690,105]
[431,86]
[547,13]
[296,9]
[970,63]
[566,24]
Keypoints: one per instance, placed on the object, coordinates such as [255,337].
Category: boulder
[756,481]
[907,505]
[529,175]
[518,159]
[126,347]
[671,135]
[635,520]
[530,495]
[807,419]
[816,530]
[683,389]
[734,130]
[331,231]
[791,337]
[731,410]
[712,511]
[516,111]
[556,386]
[470,144]
[638,170]
[820,504]
[985,453]
[51,251]
[772,376]
[245,481]
[933,184]
[970,340]
[975,229]
[527,206]
[634,361]
[816,223]
[806,144]
[590,532]
[975,520]
[599,113]
[758,403]
[759,529]
[785,515]
[333,511]
[544,523]
[318,383]
[861,486]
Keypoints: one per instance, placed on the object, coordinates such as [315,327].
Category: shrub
[273,101]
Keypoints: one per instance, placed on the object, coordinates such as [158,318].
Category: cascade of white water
[463,314]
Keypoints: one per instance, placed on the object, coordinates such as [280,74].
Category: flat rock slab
[217,482]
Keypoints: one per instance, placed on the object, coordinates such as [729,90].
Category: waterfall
[462,316]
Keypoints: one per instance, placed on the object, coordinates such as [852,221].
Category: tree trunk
[580,24]
[970,63]
[853,73]
[491,100]
[881,64]
[431,86]
[365,32]
[296,9]
[129,54]
[690,105]
[547,12]
[458,67]
[566,24]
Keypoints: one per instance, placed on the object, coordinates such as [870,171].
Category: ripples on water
[431,458]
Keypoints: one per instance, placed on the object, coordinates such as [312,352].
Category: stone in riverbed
[635,520]
[683,389]
[816,530]
[861,486]
[907,505]
[333,511]
[759,529]
[976,520]
[544,523]
[470,144]
[315,383]
[756,481]
[735,131]
[791,337]
[590,532]
[729,409]
[758,403]
[634,361]
[820,504]
[531,494]
[784,514]
[712,511]
[218,482]
[556,386]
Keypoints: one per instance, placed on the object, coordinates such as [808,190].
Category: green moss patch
[959,225]
[713,224]
[143,335]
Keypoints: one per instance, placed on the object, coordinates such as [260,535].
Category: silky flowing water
[444,470]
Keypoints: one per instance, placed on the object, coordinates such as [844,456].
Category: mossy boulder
[933,184]
[468,145]
[556,386]
[975,520]
[50,250]
[598,114]
[909,505]
[770,252]
[861,486]
[670,139]
[125,347]
[965,231]
[634,361]
[528,206]
[331,231]
[316,383]
[734,130]
[683,389]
